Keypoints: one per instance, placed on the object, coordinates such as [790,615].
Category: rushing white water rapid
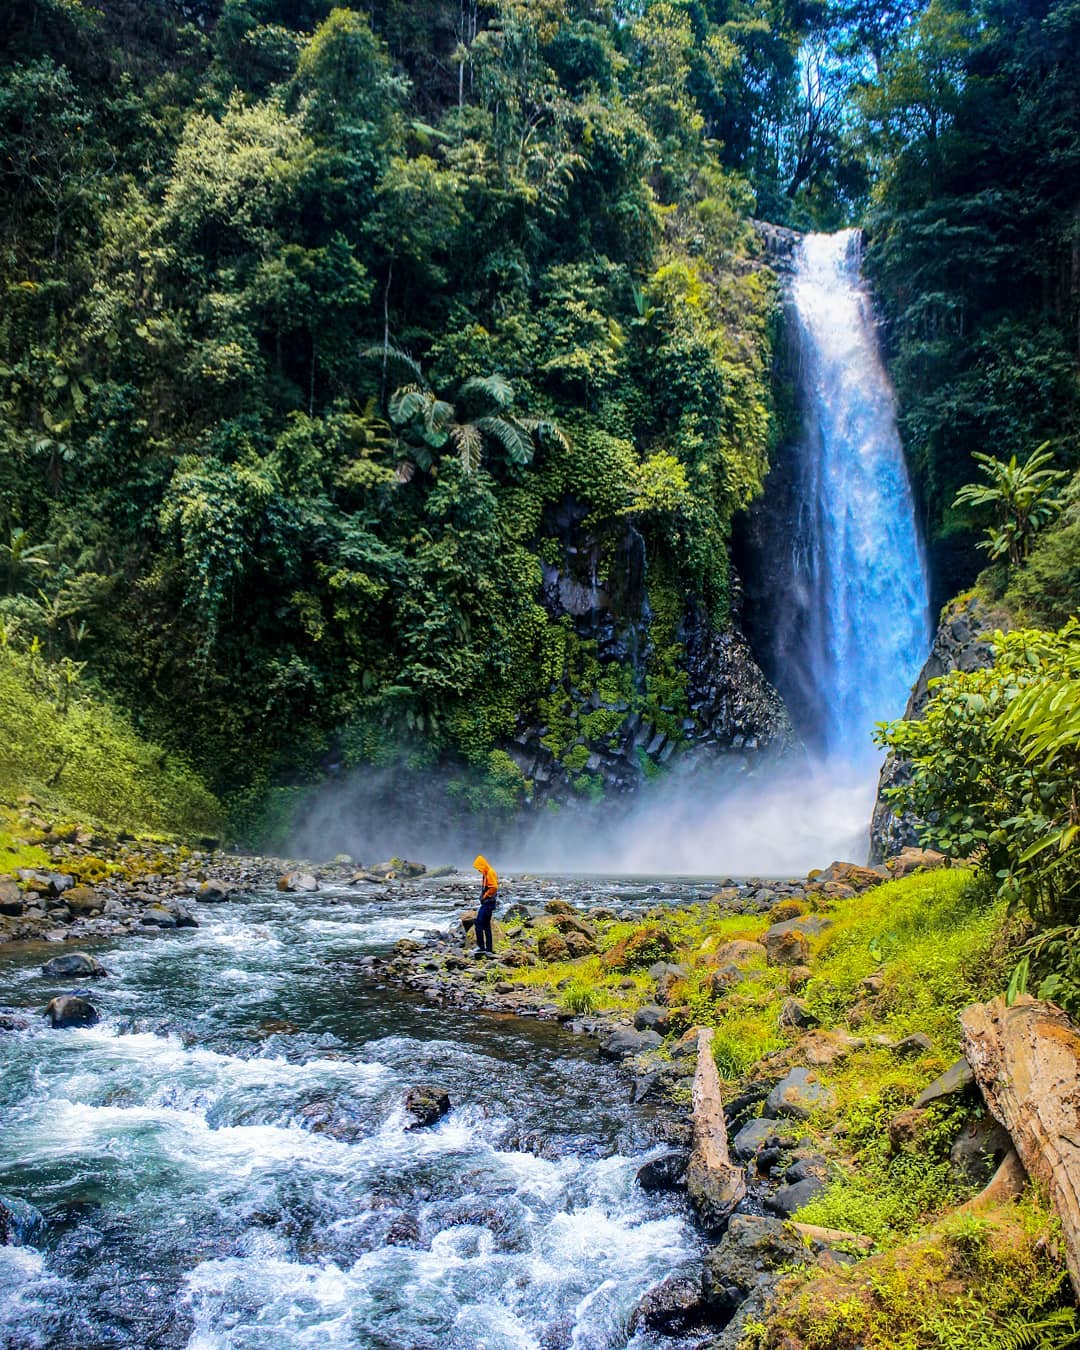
[851,634]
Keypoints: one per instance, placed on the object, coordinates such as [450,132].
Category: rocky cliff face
[722,704]
[963,642]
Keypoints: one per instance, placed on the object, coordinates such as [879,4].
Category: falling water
[845,625]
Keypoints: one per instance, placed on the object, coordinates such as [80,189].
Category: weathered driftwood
[715,1185]
[832,1237]
[1026,1060]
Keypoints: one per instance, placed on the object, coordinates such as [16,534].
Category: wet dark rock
[12,1022]
[747,1259]
[403,1231]
[754,1135]
[665,1173]
[787,1199]
[69,1010]
[20,1222]
[956,1081]
[625,1042]
[157,916]
[11,899]
[426,1103]
[797,1095]
[74,966]
[672,1307]
[324,1116]
[651,1018]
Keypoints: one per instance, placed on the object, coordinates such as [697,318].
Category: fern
[469,444]
[1055,1331]
[512,436]
[495,388]
[395,356]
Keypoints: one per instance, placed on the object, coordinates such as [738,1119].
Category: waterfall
[837,597]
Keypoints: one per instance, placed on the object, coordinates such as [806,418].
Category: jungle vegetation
[318,323]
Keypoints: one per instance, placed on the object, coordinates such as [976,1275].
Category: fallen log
[832,1237]
[714,1184]
[1026,1060]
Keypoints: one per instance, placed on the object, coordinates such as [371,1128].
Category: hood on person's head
[481,863]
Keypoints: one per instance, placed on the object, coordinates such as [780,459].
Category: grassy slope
[935,943]
[88,763]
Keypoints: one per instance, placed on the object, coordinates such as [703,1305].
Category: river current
[224,1163]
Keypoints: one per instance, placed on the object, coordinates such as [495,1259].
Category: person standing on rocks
[489,894]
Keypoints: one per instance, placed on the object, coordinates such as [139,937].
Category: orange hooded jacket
[491,881]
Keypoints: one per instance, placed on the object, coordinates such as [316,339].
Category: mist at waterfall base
[836,606]
[701,820]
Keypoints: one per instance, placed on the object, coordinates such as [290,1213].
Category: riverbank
[834,1002]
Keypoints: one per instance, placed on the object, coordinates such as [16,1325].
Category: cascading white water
[851,633]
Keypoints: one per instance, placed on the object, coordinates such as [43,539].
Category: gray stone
[747,1259]
[11,899]
[954,1082]
[754,1135]
[212,891]
[788,1199]
[795,1013]
[651,1018]
[157,916]
[83,900]
[797,1095]
[625,1043]
[74,966]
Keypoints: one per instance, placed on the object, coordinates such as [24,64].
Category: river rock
[665,1173]
[20,1222]
[426,1103]
[157,916]
[74,966]
[954,1082]
[84,900]
[787,1199]
[754,1135]
[671,1307]
[651,1017]
[625,1043]
[69,1010]
[739,952]
[213,892]
[552,947]
[11,899]
[12,1022]
[297,881]
[747,1259]
[797,1095]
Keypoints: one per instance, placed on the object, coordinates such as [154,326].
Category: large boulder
[157,916]
[426,1103]
[213,892]
[672,1307]
[69,1010]
[798,1095]
[665,1173]
[911,859]
[847,874]
[787,1199]
[738,952]
[84,900]
[74,966]
[754,1135]
[747,1259]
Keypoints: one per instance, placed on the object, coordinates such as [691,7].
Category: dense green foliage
[314,316]
[973,127]
[324,330]
[995,762]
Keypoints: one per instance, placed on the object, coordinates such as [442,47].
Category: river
[224,1160]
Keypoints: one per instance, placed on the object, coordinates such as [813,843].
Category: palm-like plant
[483,413]
[1023,497]
[18,555]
